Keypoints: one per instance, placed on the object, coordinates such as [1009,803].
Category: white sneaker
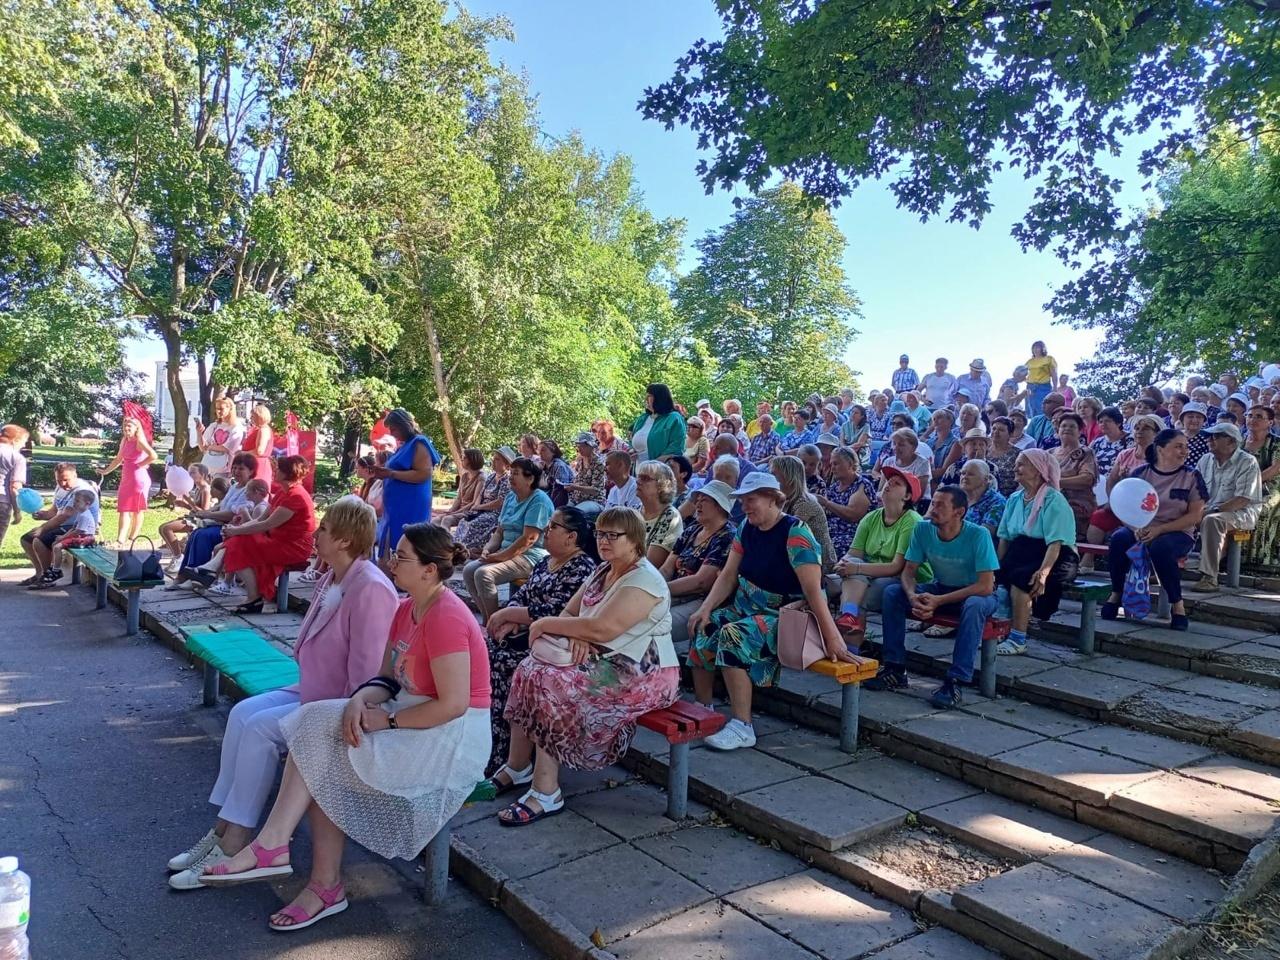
[734,736]
[221,589]
[939,631]
[174,565]
[197,851]
[189,879]
[1010,648]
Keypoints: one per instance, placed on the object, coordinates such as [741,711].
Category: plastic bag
[1136,597]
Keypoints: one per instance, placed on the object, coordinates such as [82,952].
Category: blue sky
[933,289]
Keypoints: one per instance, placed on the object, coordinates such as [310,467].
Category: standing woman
[259,441]
[660,430]
[1042,374]
[221,440]
[406,480]
[13,474]
[134,457]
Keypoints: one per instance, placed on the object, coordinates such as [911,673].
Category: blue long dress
[404,503]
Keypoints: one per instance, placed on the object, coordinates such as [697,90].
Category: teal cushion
[246,658]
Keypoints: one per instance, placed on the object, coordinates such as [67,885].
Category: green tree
[769,298]
[938,95]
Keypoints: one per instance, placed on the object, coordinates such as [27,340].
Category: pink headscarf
[1046,465]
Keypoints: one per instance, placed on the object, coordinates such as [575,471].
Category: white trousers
[251,749]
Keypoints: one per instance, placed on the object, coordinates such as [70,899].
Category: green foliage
[1196,278]
[937,96]
[769,299]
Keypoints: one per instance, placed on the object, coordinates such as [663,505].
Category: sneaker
[189,879]
[1205,585]
[174,565]
[197,851]
[1179,621]
[888,679]
[1009,647]
[734,736]
[848,623]
[946,696]
[221,589]
[940,631]
[53,573]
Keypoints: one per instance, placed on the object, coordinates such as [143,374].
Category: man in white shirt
[939,385]
[622,485]
[1234,480]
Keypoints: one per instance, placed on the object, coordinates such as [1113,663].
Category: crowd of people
[594,577]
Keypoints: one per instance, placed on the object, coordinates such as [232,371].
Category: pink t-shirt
[448,627]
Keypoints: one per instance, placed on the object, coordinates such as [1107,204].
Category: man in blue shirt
[976,384]
[964,562]
[904,378]
[1041,428]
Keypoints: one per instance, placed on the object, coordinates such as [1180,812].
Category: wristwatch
[391,722]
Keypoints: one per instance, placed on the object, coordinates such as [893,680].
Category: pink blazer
[341,647]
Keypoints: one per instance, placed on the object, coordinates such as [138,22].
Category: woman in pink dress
[259,441]
[134,457]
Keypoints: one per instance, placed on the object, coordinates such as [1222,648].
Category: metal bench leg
[1233,561]
[849,696]
[989,667]
[678,781]
[282,592]
[211,677]
[131,612]
[436,861]
[1163,607]
[1088,625]
[76,570]
[100,588]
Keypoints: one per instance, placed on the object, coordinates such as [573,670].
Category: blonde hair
[662,476]
[353,520]
[627,522]
[263,411]
[790,473]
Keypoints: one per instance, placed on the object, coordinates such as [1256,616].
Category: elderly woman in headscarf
[804,506]
[1037,545]
[406,479]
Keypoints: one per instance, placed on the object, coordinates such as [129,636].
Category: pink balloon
[178,481]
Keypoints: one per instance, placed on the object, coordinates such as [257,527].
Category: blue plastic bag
[1136,598]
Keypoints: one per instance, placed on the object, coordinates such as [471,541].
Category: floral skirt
[1262,552]
[743,635]
[476,533]
[503,661]
[585,716]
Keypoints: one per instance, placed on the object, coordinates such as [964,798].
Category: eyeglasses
[558,525]
[397,558]
[612,536]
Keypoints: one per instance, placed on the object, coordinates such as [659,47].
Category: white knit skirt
[395,791]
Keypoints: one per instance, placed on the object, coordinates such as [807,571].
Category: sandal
[334,900]
[519,778]
[220,875]
[520,814]
[253,606]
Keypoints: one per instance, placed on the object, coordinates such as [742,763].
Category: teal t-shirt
[1054,524]
[955,563]
[534,511]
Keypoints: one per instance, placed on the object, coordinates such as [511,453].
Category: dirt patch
[934,859]
[1251,932]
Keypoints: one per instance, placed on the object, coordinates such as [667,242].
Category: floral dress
[745,633]
[546,593]
[1003,468]
[691,555]
[842,530]
[1105,452]
[1262,552]
[480,526]
[589,475]
[988,510]
[664,529]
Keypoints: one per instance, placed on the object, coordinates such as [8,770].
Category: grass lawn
[12,557]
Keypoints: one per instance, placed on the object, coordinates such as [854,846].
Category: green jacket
[665,436]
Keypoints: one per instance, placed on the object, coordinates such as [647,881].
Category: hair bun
[460,553]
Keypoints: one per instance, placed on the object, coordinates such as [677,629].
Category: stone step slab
[817,811]
[1214,813]
[1005,828]
[1073,771]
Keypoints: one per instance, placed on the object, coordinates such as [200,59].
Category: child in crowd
[256,492]
[200,497]
[80,530]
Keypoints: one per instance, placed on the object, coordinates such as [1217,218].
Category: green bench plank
[244,656]
[1089,589]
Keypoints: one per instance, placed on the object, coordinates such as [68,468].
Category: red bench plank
[683,722]
[992,629]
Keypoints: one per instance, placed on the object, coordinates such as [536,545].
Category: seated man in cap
[963,560]
[766,444]
[976,384]
[904,378]
[1234,480]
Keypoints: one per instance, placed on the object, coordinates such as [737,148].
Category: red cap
[910,479]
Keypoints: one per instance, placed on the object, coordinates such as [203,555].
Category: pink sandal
[220,875]
[334,900]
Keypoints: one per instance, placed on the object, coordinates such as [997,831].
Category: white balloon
[1270,372]
[1134,502]
[178,481]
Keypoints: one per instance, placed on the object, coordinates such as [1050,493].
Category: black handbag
[132,567]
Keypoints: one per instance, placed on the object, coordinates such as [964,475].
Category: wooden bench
[1090,593]
[103,564]
[1236,539]
[681,723]
[850,676]
[242,655]
[282,585]
[993,631]
[1162,602]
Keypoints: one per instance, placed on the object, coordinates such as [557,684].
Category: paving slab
[719,858]
[1247,661]
[617,891]
[1139,670]
[1072,770]
[1201,809]
[880,709]
[805,748]
[1190,713]
[804,685]
[1148,748]
[1253,778]
[937,943]
[1062,915]
[818,811]
[712,931]
[575,782]
[1084,688]
[936,906]
[829,916]
[172,602]
[1006,828]
[633,810]
[1269,640]
[1028,716]
[905,784]
[1165,884]
[1192,644]
[961,734]
[1260,731]
[1231,691]
[726,775]
[1012,669]
[557,839]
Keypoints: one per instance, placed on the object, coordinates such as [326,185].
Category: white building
[163,412]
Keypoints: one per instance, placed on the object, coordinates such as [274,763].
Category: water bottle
[15,910]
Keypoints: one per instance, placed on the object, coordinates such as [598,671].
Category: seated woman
[392,764]
[1079,470]
[697,446]
[905,456]
[200,498]
[260,550]
[849,496]
[1003,455]
[855,433]
[515,547]
[483,520]
[803,505]
[1103,521]
[986,503]
[613,662]
[571,556]
[944,440]
[1171,535]
[470,488]
[556,472]
[339,646]
[1262,552]
[208,533]
[589,480]
[656,488]
[1088,410]
[876,556]
[1111,438]
[975,445]
[1037,541]
[698,556]
[774,560]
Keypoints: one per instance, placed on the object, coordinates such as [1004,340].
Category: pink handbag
[553,651]
[799,639]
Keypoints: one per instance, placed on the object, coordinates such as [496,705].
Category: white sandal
[519,778]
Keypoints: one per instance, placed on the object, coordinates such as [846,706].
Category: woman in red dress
[258,551]
[259,441]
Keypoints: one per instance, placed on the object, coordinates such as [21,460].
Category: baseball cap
[910,479]
[1229,429]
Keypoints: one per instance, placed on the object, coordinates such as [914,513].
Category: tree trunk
[350,449]
[442,388]
[206,389]
[173,380]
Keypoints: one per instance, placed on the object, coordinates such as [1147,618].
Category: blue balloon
[29,501]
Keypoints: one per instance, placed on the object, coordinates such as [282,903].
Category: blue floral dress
[842,530]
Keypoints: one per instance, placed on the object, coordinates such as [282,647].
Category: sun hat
[977,364]
[1229,429]
[507,454]
[704,402]
[1241,398]
[897,407]
[587,439]
[695,422]
[719,491]
[827,440]
[1219,390]
[910,479]
[832,407]
[756,481]
[976,433]
[1194,406]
